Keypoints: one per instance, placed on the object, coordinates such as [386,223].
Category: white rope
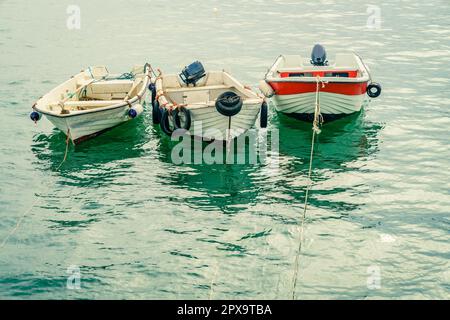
[213,280]
[228,142]
[365,66]
[19,222]
[67,149]
[318,119]
[22,217]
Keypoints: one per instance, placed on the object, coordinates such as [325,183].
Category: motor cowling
[192,73]
[319,56]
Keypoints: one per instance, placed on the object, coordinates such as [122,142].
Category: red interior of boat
[328,73]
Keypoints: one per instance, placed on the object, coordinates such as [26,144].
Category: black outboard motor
[192,73]
[319,56]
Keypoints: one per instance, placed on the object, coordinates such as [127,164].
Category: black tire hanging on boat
[156,112]
[229,104]
[152,89]
[263,115]
[177,120]
[370,87]
[164,123]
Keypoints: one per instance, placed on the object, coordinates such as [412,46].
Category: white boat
[210,105]
[341,85]
[94,101]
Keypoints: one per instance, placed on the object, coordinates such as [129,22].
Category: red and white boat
[342,86]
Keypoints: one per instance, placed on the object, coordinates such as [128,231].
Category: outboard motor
[192,73]
[319,56]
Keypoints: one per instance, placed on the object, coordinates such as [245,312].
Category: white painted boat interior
[92,89]
[206,91]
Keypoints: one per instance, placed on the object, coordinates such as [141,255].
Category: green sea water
[134,225]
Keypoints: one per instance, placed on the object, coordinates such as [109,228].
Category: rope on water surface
[213,281]
[67,149]
[19,222]
[317,122]
[22,217]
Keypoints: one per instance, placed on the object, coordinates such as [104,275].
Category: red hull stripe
[351,89]
[350,73]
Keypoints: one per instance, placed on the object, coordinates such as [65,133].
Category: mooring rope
[213,280]
[67,149]
[19,222]
[228,142]
[318,120]
[22,217]
[128,75]
[365,66]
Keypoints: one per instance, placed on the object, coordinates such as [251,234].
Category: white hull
[82,127]
[341,86]
[206,121]
[211,125]
[330,103]
[93,101]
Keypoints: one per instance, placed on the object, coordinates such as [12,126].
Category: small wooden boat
[215,104]
[293,82]
[94,101]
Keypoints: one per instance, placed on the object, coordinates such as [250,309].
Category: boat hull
[94,101]
[85,126]
[336,100]
[209,124]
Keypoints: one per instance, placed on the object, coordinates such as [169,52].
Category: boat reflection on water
[127,141]
[228,188]
[339,142]
[141,155]
[340,152]
[231,188]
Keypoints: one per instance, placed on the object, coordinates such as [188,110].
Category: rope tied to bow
[318,118]
[317,122]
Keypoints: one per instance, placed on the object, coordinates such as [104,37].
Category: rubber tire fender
[229,104]
[176,118]
[371,86]
[156,112]
[263,115]
[164,123]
